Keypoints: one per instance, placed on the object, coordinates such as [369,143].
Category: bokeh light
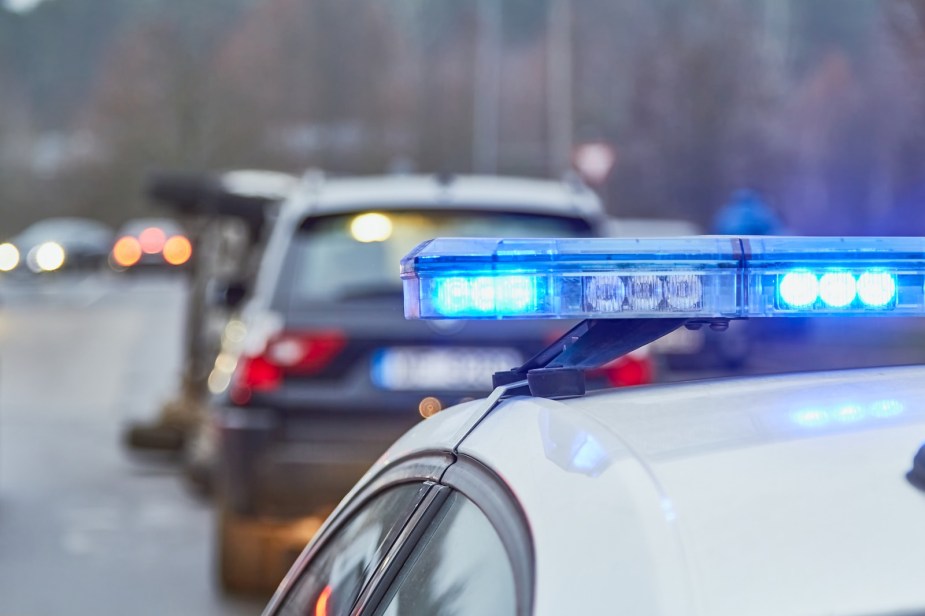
[177,250]
[49,256]
[371,227]
[152,240]
[9,257]
[126,252]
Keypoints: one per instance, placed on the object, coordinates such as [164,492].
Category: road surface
[87,527]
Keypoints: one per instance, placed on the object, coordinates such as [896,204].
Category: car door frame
[425,469]
[487,491]
[443,472]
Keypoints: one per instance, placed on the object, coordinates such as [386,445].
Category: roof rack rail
[313,178]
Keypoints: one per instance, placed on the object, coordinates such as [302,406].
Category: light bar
[694,277]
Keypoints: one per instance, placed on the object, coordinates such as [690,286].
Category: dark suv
[321,372]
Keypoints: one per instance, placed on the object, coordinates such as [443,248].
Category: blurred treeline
[820,104]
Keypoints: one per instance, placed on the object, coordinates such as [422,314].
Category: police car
[798,494]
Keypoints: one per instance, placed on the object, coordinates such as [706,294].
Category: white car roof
[349,194]
[765,495]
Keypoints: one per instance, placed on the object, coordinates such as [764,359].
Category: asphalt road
[87,527]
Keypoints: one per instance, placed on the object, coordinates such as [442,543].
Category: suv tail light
[632,369]
[299,353]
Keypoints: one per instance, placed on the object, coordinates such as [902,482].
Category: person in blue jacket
[746,213]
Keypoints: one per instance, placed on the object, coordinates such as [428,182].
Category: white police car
[799,494]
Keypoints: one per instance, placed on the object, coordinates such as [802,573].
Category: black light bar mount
[558,371]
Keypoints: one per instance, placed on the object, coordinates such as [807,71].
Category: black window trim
[424,469]
[438,473]
[422,525]
[491,495]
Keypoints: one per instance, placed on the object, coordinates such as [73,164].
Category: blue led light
[799,289]
[876,289]
[515,293]
[837,289]
[459,296]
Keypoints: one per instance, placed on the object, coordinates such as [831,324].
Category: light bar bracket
[558,370]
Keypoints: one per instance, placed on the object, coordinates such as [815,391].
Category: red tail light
[152,240]
[126,252]
[636,368]
[301,353]
[629,370]
[177,250]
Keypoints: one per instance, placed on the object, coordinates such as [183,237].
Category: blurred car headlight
[9,257]
[46,257]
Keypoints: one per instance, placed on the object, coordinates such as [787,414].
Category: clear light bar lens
[684,292]
[704,277]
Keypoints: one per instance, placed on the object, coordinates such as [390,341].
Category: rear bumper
[285,465]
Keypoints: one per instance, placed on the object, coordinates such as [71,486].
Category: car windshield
[355,256]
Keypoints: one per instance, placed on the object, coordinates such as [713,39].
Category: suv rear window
[356,256]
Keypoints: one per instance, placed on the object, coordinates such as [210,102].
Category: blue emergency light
[710,277]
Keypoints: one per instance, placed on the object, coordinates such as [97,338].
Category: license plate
[462,369]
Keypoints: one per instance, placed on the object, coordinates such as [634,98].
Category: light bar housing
[704,277]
